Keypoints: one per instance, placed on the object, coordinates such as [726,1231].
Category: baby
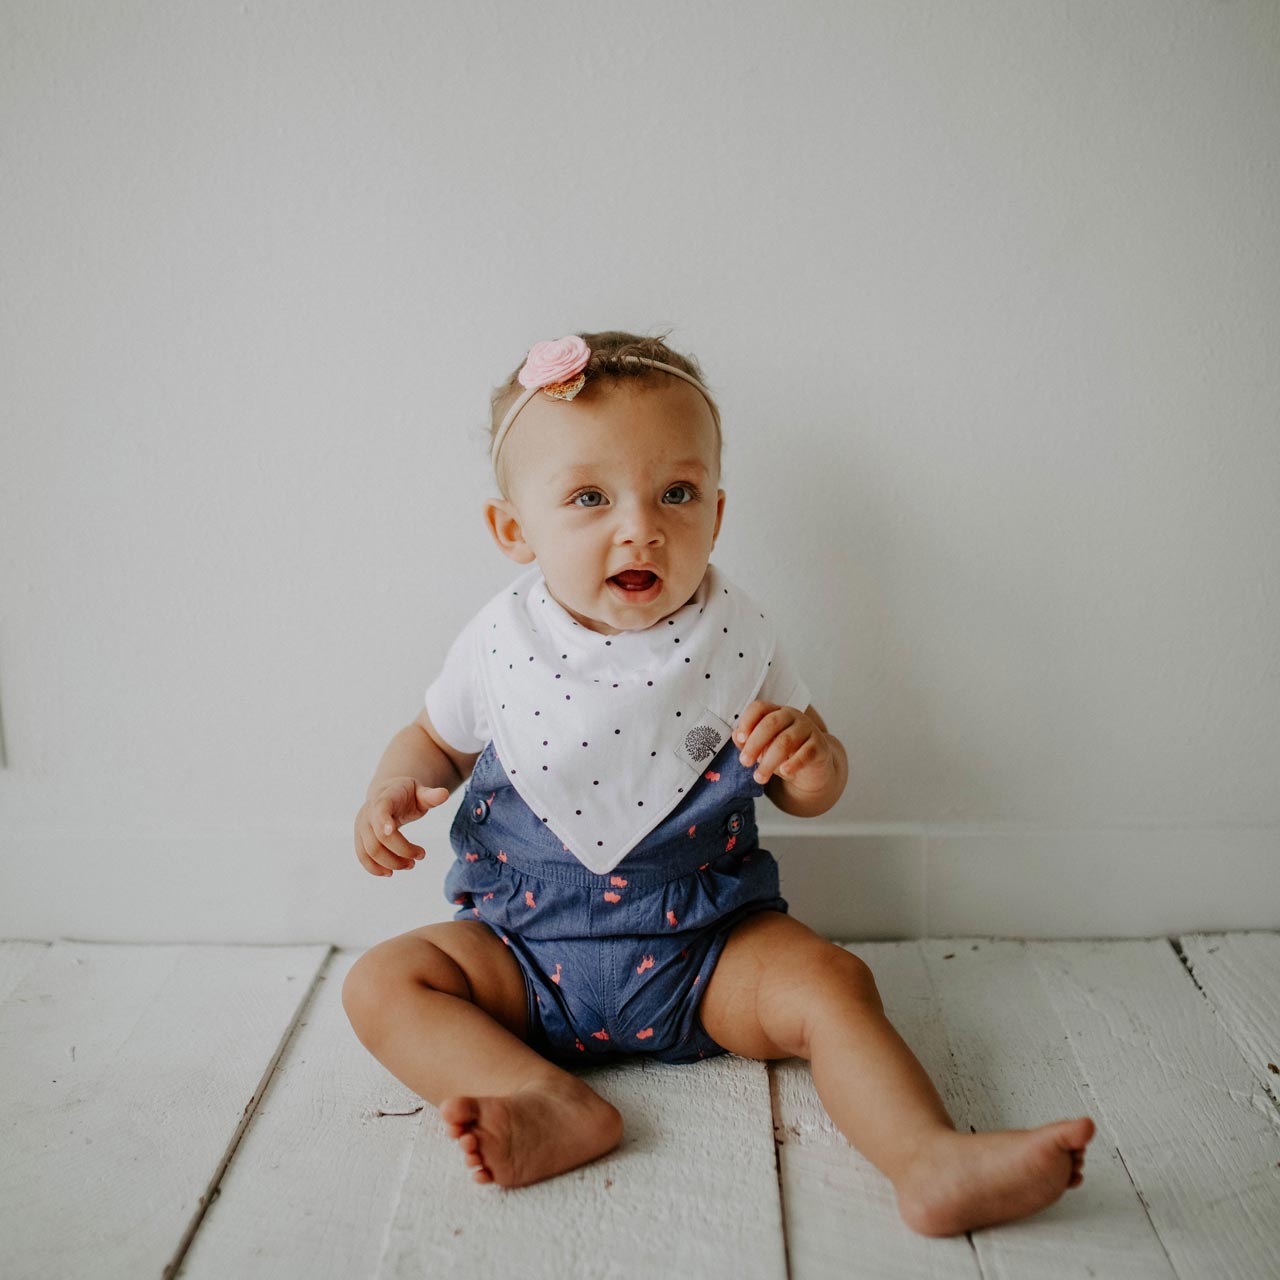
[614,713]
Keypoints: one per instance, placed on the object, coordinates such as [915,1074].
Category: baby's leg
[443,1009]
[779,990]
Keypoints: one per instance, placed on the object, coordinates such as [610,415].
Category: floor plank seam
[1146,1208]
[1189,966]
[973,1249]
[1091,1099]
[968,1235]
[214,1188]
[1176,944]
[775,1118]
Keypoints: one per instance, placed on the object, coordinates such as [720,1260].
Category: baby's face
[623,477]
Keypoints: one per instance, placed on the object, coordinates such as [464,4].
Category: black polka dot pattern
[658,696]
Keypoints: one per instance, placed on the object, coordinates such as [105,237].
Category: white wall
[989,293]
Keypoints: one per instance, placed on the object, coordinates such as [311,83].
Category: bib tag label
[701,742]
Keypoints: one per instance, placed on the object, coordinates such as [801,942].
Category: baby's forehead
[615,429]
[621,458]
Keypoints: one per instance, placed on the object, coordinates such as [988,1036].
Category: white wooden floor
[207,1112]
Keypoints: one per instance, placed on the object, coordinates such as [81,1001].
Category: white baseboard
[1032,884]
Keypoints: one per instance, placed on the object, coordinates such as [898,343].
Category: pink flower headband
[557,369]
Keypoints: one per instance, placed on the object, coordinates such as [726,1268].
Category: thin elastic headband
[557,369]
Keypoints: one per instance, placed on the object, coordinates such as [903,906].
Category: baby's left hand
[782,740]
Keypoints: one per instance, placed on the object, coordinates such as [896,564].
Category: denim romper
[615,965]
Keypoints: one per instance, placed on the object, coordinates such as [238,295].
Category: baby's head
[620,479]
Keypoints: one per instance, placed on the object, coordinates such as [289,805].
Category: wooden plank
[1240,974]
[316,1178]
[1012,1067]
[691,1190]
[17,959]
[127,1075]
[841,1211]
[1171,1091]
[315,1187]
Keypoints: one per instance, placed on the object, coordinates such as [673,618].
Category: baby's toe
[458,1113]
[1078,1133]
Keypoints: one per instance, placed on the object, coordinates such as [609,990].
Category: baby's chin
[640,616]
[609,616]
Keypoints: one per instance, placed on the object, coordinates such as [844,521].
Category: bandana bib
[603,736]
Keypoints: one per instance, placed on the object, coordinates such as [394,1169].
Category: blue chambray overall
[615,965]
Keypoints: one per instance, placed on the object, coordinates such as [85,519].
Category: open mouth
[635,580]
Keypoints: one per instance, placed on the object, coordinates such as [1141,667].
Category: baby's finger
[386,831]
[377,855]
[431,797]
[398,843]
[384,857]
[807,753]
[764,733]
[384,819]
[748,720]
[370,866]
[368,863]
[786,754]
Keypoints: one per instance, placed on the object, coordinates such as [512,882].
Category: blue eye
[689,494]
[588,493]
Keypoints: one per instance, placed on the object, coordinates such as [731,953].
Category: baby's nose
[639,523]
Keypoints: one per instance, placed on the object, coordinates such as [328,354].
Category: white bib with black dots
[603,736]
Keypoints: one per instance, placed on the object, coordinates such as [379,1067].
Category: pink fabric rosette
[556,366]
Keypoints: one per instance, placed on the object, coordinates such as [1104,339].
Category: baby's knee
[852,977]
[370,984]
[393,968]
[361,991]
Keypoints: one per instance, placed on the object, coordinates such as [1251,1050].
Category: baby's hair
[610,352]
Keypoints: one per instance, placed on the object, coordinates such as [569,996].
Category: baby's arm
[803,767]
[416,773]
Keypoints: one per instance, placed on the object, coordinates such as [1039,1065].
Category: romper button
[734,824]
[480,811]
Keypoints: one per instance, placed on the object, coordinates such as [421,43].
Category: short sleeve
[783,685]
[453,699]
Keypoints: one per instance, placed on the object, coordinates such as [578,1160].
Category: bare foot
[961,1181]
[538,1131]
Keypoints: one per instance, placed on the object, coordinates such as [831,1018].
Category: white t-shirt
[603,735]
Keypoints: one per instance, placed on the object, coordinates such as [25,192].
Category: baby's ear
[504,523]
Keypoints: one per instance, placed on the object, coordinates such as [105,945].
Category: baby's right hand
[379,845]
